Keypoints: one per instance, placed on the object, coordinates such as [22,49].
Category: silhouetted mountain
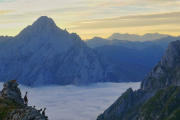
[134,37]
[96,42]
[163,42]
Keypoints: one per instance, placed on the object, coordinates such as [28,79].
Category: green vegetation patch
[7,105]
[163,106]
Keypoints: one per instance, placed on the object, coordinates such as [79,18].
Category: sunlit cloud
[93,14]
[139,24]
[130,21]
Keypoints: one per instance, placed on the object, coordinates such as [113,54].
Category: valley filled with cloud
[75,102]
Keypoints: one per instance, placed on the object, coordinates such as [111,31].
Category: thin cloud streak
[75,103]
[133,24]
[129,21]
[5,11]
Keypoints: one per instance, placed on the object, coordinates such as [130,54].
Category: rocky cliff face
[166,72]
[12,105]
[43,54]
[165,103]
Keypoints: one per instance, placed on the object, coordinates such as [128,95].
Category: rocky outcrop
[166,72]
[11,91]
[12,105]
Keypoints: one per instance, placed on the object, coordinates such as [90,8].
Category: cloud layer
[75,103]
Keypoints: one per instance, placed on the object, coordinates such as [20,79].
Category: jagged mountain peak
[43,25]
[44,30]
[171,55]
[44,21]
[175,44]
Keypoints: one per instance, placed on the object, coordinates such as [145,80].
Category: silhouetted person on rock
[26,99]
[43,112]
[34,107]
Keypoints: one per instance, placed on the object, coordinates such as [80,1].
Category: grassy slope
[165,105]
[7,105]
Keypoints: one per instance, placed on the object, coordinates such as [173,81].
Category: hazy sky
[75,103]
[90,18]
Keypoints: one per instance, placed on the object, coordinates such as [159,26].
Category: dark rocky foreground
[12,105]
[159,95]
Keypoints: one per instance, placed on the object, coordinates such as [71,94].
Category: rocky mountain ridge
[133,59]
[166,72]
[160,85]
[162,42]
[43,54]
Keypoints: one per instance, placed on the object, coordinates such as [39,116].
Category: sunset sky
[90,18]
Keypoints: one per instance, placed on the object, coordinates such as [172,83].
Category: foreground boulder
[11,91]
[12,105]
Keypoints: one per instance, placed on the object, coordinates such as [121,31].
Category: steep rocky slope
[43,54]
[166,72]
[165,103]
[121,105]
[12,105]
[127,106]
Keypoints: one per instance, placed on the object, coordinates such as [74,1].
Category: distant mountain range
[163,42]
[133,59]
[135,63]
[43,54]
[134,37]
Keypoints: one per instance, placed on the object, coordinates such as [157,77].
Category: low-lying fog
[75,103]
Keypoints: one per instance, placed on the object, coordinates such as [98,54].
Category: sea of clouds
[73,102]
